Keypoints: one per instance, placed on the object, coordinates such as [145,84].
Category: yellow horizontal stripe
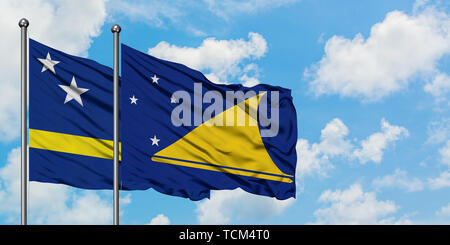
[72,144]
[223,170]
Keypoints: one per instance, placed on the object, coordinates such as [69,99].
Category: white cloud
[228,8]
[399,180]
[444,211]
[229,206]
[372,148]
[220,59]
[65,25]
[51,203]
[86,208]
[250,74]
[439,86]
[316,158]
[310,160]
[438,131]
[10,183]
[419,5]
[440,182]
[249,81]
[386,61]
[332,138]
[402,220]
[443,180]
[160,219]
[354,206]
[445,153]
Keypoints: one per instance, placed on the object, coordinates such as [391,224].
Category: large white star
[48,63]
[155,140]
[73,92]
[155,79]
[133,100]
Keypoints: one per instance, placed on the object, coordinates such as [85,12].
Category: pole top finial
[115,28]
[23,22]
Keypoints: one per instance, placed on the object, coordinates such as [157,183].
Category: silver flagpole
[23,23]
[116,30]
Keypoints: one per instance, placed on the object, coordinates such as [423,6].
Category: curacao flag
[183,135]
[71,119]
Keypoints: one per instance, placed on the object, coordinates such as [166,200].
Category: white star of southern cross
[173,100]
[155,79]
[73,92]
[155,140]
[48,63]
[133,100]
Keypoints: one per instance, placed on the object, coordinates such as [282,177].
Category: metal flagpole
[116,30]
[23,23]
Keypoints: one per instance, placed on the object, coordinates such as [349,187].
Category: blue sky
[370,82]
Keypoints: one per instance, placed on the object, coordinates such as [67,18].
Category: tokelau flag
[183,135]
[71,119]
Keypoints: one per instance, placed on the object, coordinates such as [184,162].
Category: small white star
[173,100]
[133,100]
[155,79]
[48,63]
[73,92]
[155,140]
